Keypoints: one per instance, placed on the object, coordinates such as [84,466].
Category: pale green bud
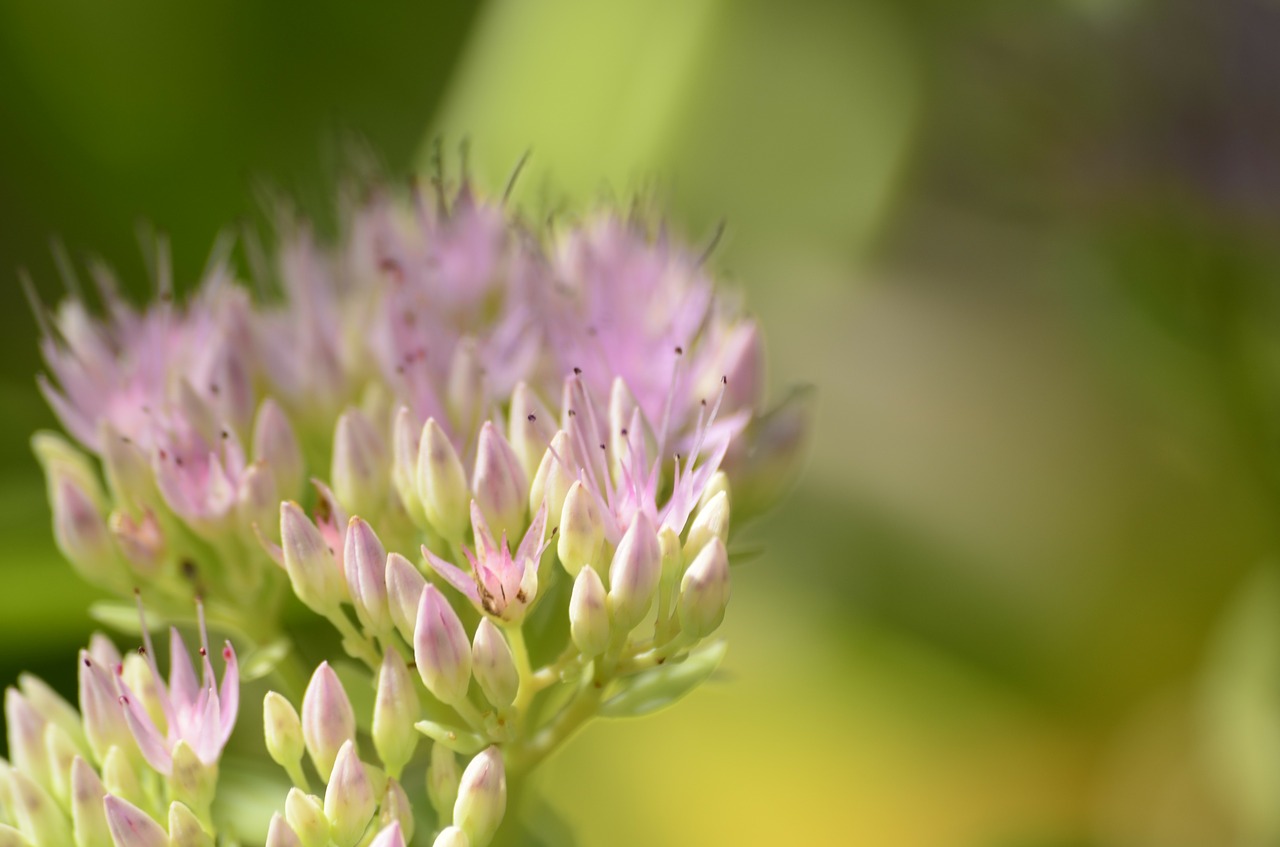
[581,540]
[81,533]
[88,818]
[465,390]
[718,483]
[482,797]
[396,808]
[442,781]
[257,502]
[493,665]
[349,802]
[192,781]
[404,465]
[704,591]
[10,837]
[451,836]
[305,814]
[442,483]
[328,720]
[499,484]
[634,574]
[359,470]
[395,710]
[137,674]
[120,777]
[588,615]
[530,429]
[130,825]
[36,813]
[26,737]
[712,521]
[283,730]
[275,445]
[60,751]
[552,480]
[129,474]
[312,568]
[404,593]
[185,828]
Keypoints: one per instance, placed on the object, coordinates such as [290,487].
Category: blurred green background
[1027,593]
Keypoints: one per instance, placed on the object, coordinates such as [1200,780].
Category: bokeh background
[1026,593]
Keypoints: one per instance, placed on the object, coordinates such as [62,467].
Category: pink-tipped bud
[365,563]
[53,707]
[257,500]
[440,648]
[442,483]
[451,836]
[81,533]
[588,615]
[26,737]
[283,730]
[634,574]
[482,797]
[391,836]
[530,429]
[739,368]
[493,665]
[443,777]
[305,814]
[310,562]
[130,826]
[280,834]
[404,465]
[276,446]
[552,481]
[349,801]
[328,720]
[88,817]
[499,484]
[712,521]
[704,591]
[359,471]
[404,593]
[395,710]
[465,391]
[581,540]
[396,808]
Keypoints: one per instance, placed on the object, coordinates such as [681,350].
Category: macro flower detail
[500,583]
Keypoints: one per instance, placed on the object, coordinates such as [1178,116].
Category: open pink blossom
[199,713]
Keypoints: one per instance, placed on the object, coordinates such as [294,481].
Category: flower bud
[404,592]
[712,521]
[88,817]
[551,482]
[127,470]
[530,429]
[141,542]
[634,574]
[365,562]
[442,781]
[581,539]
[328,720]
[396,808]
[52,707]
[704,591]
[499,483]
[130,825]
[60,752]
[81,533]
[348,800]
[493,665]
[588,616]
[442,483]
[465,391]
[283,730]
[391,836]
[359,470]
[185,828]
[26,737]
[191,780]
[275,444]
[36,813]
[627,428]
[305,814]
[310,562]
[482,797]
[136,674]
[451,836]
[395,709]
[440,648]
[280,834]
[404,465]
[120,778]
[257,500]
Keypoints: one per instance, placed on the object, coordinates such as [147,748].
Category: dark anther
[724,380]
[203,652]
[679,351]
[577,371]
[533,417]
[189,569]
[624,430]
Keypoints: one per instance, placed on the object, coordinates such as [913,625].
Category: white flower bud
[581,540]
[588,616]
[634,574]
[704,591]
[531,427]
[404,592]
[359,470]
[712,521]
[493,665]
[404,465]
[328,720]
[185,827]
[395,709]
[499,483]
[465,390]
[283,730]
[305,814]
[442,483]
[442,780]
[349,802]
[440,648]
[552,481]
[482,797]
[88,817]
[311,565]
[451,836]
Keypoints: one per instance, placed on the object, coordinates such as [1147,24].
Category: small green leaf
[655,689]
[264,660]
[458,740]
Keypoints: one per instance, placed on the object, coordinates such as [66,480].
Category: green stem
[579,710]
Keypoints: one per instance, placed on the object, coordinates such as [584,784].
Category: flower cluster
[497,572]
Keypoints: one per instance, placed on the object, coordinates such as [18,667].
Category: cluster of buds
[497,573]
[136,765]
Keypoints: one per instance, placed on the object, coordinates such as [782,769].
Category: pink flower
[499,583]
[200,714]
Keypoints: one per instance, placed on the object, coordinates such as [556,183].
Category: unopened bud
[88,818]
[482,797]
[305,814]
[52,707]
[499,484]
[395,709]
[465,391]
[283,730]
[442,781]
[404,465]
[581,540]
[365,563]
[588,615]
[328,720]
[359,471]
[451,836]
[310,562]
[26,737]
[185,827]
[81,533]
[348,800]
[530,429]
[137,676]
[140,541]
[442,483]
[127,470]
[280,834]
[712,521]
[60,751]
[191,780]
[440,648]
[634,574]
[493,665]
[404,593]
[396,808]
[130,825]
[275,444]
[120,777]
[551,482]
[390,836]
[257,500]
[704,591]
